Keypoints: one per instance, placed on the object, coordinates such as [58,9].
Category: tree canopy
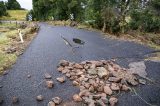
[2,9]
[13,5]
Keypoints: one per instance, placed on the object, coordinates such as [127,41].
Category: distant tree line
[109,15]
[9,5]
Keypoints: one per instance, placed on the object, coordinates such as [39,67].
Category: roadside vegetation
[19,15]
[10,45]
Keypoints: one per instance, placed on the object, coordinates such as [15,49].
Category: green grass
[15,15]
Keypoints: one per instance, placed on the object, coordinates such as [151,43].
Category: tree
[2,9]
[13,5]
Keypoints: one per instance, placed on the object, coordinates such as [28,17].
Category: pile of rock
[99,81]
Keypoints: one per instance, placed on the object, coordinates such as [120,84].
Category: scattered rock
[107,90]
[39,98]
[78,66]
[77,98]
[113,101]
[49,84]
[5,73]
[125,88]
[115,87]
[102,72]
[142,81]
[28,76]
[57,100]
[1,86]
[47,76]
[105,100]
[60,69]
[92,71]
[61,79]
[63,63]
[84,93]
[75,83]
[100,102]
[51,103]
[114,79]
[91,89]
[15,100]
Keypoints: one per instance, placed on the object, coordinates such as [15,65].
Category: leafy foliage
[2,9]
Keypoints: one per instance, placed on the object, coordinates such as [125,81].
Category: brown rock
[15,100]
[75,83]
[47,76]
[39,98]
[60,69]
[105,100]
[65,71]
[113,101]
[51,103]
[125,88]
[102,72]
[100,102]
[89,101]
[82,88]
[91,89]
[107,90]
[84,93]
[57,100]
[63,63]
[61,79]
[114,79]
[77,98]
[78,66]
[79,73]
[49,84]
[100,88]
[92,71]
[87,85]
[68,75]
[115,87]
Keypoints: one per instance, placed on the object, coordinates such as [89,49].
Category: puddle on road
[78,41]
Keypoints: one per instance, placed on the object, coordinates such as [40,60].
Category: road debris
[98,81]
[39,98]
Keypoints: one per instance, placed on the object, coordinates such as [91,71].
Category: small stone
[1,86]
[15,100]
[79,73]
[92,71]
[125,88]
[60,69]
[84,93]
[78,66]
[77,98]
[5,73]
[63,63]
[75,83]
[100,88]
[107,90]
[100,102]
[105,100]
[47,76]
[82,88]
[68,75]
[39,98]
[51,103]
[65,71]
[28,76]
[91,89]
[1,100]
[49,84]
[113,101]
[114,79]
[115,87]
[102,72]
[61,79]
[142,81]
[57,100]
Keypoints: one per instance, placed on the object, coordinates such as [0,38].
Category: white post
[20,35]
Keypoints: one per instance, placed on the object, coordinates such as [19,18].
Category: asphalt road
[48,48]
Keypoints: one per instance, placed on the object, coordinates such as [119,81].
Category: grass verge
[10,45]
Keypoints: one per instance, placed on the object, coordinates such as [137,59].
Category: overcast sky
[27,4]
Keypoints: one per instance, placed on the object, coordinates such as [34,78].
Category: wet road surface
[44,53]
